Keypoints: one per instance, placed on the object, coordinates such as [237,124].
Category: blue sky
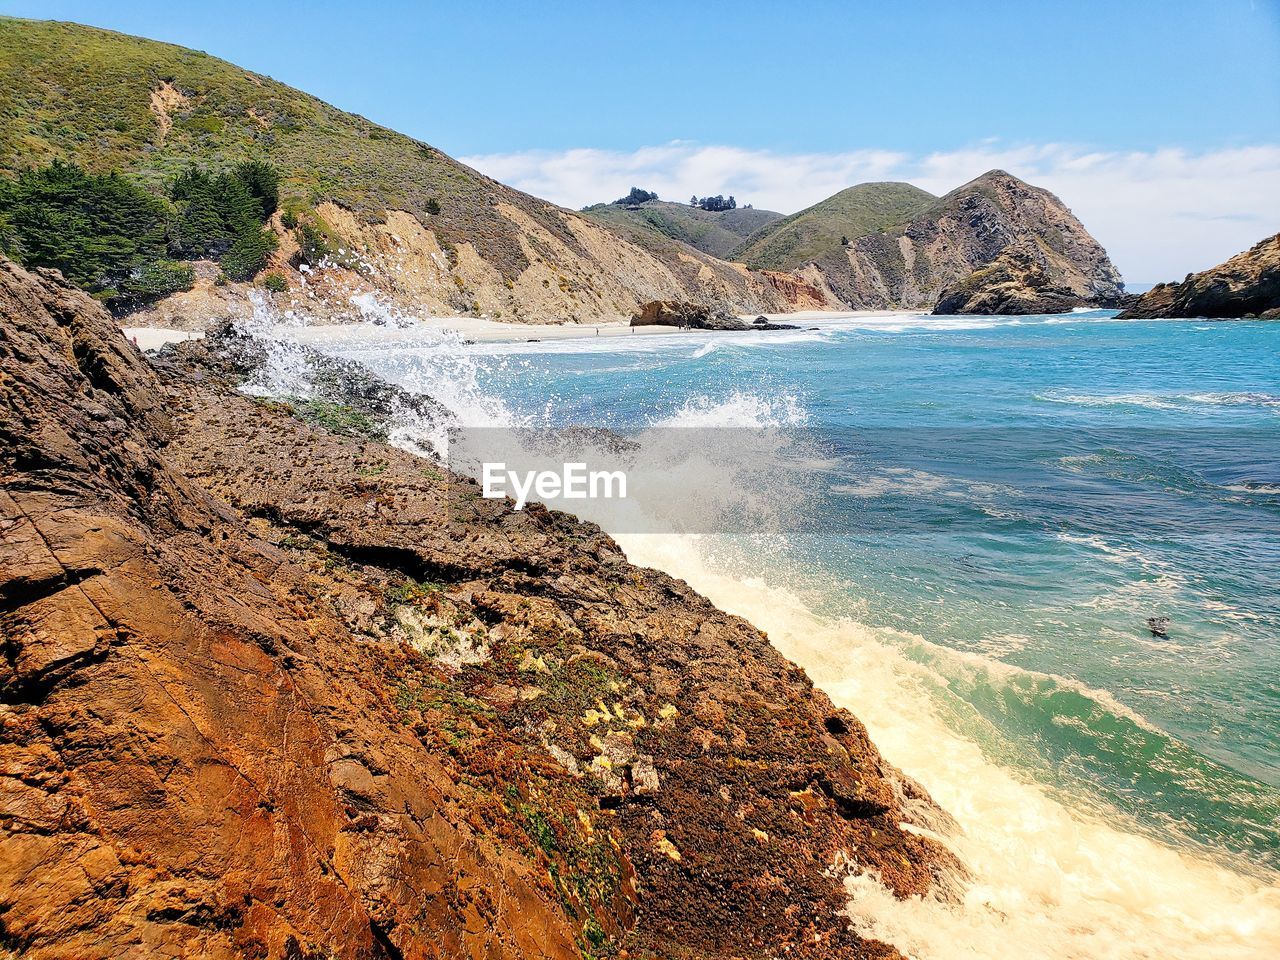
[563,98]
[917,75]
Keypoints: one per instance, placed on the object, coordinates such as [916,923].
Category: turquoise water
[1003,504]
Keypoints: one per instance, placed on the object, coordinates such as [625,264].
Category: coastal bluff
[1246,286]
[274,689]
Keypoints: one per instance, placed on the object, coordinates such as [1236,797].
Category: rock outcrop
[968,232]
[1247,285]
[697,316]
[1021,281]
[269,690]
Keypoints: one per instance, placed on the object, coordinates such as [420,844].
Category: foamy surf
[1047,882]
[1046,878]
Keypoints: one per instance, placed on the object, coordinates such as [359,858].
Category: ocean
[1038,557]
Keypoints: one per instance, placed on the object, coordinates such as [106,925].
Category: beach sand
[490,331]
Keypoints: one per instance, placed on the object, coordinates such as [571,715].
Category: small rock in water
[1159,626]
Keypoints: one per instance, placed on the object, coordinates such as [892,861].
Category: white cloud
[1160,213]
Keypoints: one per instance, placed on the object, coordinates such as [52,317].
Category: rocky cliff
[960,239]
[1022,280]
[273,689]
[1247,285]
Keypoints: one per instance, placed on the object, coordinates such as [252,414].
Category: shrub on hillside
[318,244]
[98,230]
[248,254]
[275,283]
[157,279]
[636,197]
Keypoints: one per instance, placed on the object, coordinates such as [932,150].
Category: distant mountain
[420,229]
[816,233]
[715,232]
[963,235]
[1247,285]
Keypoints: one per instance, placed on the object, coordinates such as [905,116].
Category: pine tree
[262,182]
[248,255]
[97,230]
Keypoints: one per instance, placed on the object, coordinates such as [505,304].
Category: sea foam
[1044,880]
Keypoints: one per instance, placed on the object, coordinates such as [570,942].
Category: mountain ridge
[415,231]
[107,100]
[717,232]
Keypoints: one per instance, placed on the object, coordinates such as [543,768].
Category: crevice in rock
[851,808]
[383,940]
[16,594]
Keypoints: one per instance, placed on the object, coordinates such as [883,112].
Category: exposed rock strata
[1021,281]
[1247,285]
[270,691]
[971,229]
[400,268]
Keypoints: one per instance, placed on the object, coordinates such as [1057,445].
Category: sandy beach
[496,331]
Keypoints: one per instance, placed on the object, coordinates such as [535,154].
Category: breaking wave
[1051,876]
[1164,401]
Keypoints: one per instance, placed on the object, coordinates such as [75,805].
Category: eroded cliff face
[1247,285]
[965,235]
[1021,281]
[273,691]
[581,272]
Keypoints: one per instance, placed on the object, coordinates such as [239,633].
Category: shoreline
[810,642]
[482,330]
[370,725]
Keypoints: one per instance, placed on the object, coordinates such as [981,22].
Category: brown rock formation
[1247,285]
[1021,281]
[674,313]
[968,231]
[798,293]
[270,691]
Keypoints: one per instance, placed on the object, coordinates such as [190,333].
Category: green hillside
[713,232]
[815,233]
[108,101]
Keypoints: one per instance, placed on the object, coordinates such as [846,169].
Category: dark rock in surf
[696,316]
[1245,287]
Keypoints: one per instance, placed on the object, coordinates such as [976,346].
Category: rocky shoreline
[684,315]
[1245,287]
[272,688]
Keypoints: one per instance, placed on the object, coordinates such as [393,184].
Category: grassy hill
[109,101]
[815,233]
[426,233]
[714,232]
